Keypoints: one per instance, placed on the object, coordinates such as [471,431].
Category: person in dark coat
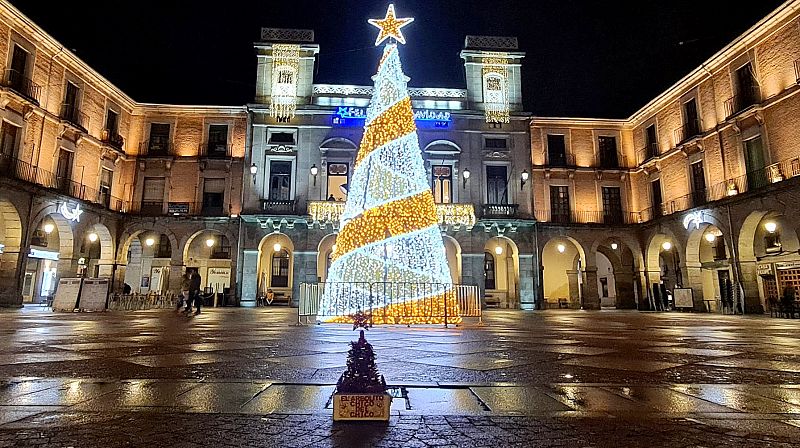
[787,300]
[194,292]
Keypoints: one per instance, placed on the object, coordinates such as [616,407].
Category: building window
[754,162]
[495,143]
[280,269]
[698,183]
[651,142]
[213,197]
[153,196]
[655,198]
[612,205]
[9,140]
[556,150]
[488,271]
[112,122]
[69,110]
[281,138]
[497,184]
[164,249]
[217,140]
[746,87]
[608,152]
[222,251]
[691,120]
[158,144]
[442,180]
[64,170]
[280,180]
[559,204]
[772,243]
[17,75]
[604,286]
[719,249]
[106,179]
[338,178]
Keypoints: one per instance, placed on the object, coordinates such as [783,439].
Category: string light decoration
[285,70]
[389,256]
[495,88]
[390,26]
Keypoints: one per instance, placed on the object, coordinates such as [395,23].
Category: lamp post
[314,172]
[465,175]
[523,179]
[253,172]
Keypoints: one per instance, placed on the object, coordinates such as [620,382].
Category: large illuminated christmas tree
[389,256]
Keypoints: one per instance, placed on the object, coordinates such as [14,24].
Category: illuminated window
[280,269]
[338,177]
[442,180]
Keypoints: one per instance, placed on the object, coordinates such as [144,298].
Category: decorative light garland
[389,255]
[285,71]
[495,88]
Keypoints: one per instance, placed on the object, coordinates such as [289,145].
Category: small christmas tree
[361,376]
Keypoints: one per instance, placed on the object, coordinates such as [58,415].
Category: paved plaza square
[239,377]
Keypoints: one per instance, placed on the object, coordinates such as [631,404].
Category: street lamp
[466,175]
[523,178]
[561,248]
[667,246]
[314,172]
[614,246]
[48,228]
[771,226]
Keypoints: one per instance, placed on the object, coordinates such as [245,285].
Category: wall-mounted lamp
[48,228]
[523,178]
[614,246]
[314,172]
[465,174]
[771,226]
[277,247]
[710,237]
[253,172]
[667,246]
[93,237]
[561,248]
[498,250]
[150,242]
[210,242]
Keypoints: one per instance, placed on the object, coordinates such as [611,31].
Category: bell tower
[493,69]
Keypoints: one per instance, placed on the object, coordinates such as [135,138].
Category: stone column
[249,277]
[527,292]
[626,299]
[591,298]
[749,281]
[174,278]
[304,270]
[472,272]
[574,290]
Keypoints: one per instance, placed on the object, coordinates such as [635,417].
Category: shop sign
[218,278]
[178,208]
[764,269]
[787,265]
[43,254]
[345,115]
[69,214]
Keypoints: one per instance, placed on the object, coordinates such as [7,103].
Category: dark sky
[586,58]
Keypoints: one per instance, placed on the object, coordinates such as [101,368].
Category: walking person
[194,292]
[787,300]
[185,286]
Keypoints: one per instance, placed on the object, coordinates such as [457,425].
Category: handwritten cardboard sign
[360,407]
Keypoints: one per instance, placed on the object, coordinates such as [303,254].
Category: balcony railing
[650,151]
[156,148]
[587,217]
[24,171]
[278,207]
[751,181]
[609,161]
[19,83]
[71,114]
[559,160]
[690,129]
[161,208]
[215,150]
[494,211]
[111,138]
[746,97]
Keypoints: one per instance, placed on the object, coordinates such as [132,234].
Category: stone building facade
[691,192]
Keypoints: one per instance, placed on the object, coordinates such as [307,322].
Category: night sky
[584,58]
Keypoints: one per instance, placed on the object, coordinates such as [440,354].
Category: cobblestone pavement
[237,377]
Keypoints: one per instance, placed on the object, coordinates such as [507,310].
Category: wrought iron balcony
[587,217]
[214,150]
[650,151]
[560,160]
[70,113]
[156,148]
[689,130]
[276,207]
[111,138]
[19,83]
[495,211]
[746,97]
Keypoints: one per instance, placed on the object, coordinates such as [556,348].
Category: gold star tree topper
[390,26]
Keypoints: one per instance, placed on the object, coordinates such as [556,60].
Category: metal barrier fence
[439,301]
[136,302]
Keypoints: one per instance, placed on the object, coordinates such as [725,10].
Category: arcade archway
[501,273]
[563,264]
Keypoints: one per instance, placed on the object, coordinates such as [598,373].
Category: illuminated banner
[439,119]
